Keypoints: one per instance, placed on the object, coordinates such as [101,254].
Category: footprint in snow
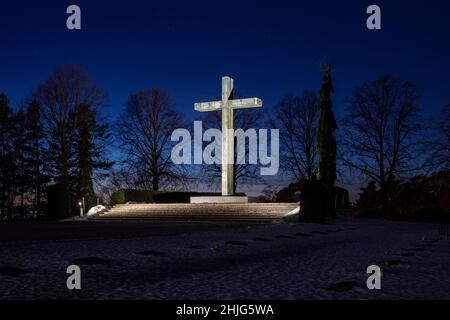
[282,236]
[153,253]
[407,254]
[341,286]
[91,261]
[197,247]
[236,242]
[390,263]
[262,239]
[301,234]
[12,271]
[416,249]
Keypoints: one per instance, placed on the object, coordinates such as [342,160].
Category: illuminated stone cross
[227,105]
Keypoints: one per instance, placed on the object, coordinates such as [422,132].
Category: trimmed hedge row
[180,197]
[149,196]
[133,195]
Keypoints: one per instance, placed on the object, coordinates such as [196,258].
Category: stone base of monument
[220,199]
[202,212]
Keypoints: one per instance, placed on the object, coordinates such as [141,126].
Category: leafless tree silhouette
[381,132]
[144,130]
[297,117]
[59,96]
[440,144]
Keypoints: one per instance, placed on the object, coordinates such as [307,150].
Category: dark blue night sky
[270,48]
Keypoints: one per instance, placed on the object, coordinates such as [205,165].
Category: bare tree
[381,132]
[65,89]
[144,130]
[297,117]
[440,145]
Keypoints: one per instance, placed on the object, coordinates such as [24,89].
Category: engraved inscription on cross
[227,105]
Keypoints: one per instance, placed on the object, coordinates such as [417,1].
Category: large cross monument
[227,105]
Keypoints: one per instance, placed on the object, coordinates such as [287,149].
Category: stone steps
[252,219]
[231,212]
[221,211]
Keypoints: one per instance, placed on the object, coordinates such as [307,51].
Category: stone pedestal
[220,199]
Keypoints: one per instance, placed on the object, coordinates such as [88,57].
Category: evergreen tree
[90,135]
[326,144]
[84,184]
[7,163]
[21,144]
[38,176]
[22,172]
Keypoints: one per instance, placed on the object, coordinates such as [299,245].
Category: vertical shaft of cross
[227,138]
[227,105]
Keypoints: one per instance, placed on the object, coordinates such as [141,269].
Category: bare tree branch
[381,132]
[144,130]
[297,117]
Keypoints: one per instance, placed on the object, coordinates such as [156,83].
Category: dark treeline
[24,160]
[58,137]
[383,141]
[54,138]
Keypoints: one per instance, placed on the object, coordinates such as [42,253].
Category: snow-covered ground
[276,261]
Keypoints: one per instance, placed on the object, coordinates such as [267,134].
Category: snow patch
[97,209]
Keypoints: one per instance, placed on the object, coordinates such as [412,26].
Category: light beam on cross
[227,105]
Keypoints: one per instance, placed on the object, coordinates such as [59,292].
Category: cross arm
[245,103]
[208,106]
